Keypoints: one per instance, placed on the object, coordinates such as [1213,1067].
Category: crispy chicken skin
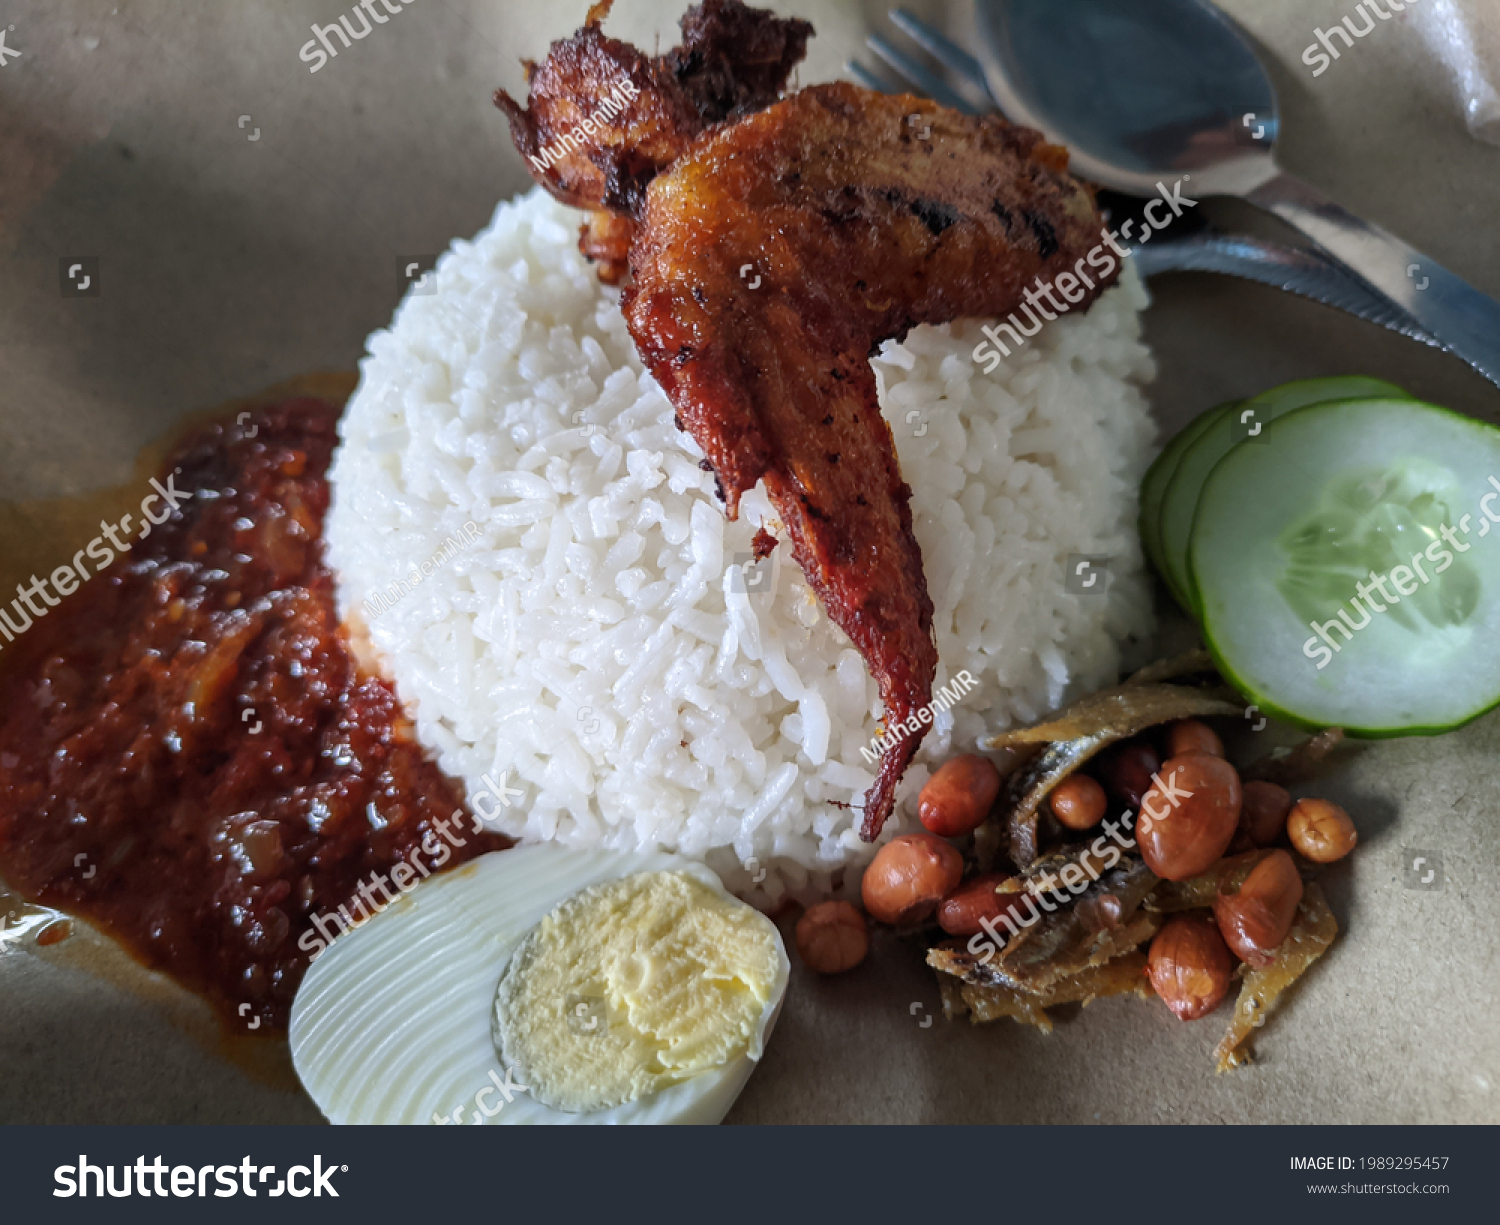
[733,60]
[771,261]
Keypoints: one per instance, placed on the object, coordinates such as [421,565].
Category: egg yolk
[634,985]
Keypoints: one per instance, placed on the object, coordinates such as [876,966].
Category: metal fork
[1297,270]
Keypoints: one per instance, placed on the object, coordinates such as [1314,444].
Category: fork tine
[867,78]
[927,83]
[947,53]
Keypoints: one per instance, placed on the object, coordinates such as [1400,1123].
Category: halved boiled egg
[544,985]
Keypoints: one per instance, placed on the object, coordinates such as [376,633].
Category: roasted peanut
[908,877]
[1264,811]
[1191,736]
[1126,772]
[832,937]
[961,912]
[1078,802]
[1321,830]
[958,796]
[1189,965]
[1256,918]
[1188,818]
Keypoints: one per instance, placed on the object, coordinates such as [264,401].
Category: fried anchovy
[1079,733]
[1064,941]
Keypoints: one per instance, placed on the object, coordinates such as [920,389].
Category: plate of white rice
[537,559]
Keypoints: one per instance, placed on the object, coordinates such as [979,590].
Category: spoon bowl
[1139,90]
[1148,92]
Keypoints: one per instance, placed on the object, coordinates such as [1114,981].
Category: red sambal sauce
[190,755]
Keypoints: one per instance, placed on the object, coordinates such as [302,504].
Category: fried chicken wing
[772,248]
[603,119]
[773,258]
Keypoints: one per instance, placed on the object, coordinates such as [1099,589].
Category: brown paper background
[230,264]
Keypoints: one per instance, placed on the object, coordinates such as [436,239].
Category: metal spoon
[1147,92]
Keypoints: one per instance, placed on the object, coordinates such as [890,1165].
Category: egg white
[392,1022]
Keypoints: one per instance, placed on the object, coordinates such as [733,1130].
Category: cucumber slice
[1157,477]
[1290,534]
[1180,497]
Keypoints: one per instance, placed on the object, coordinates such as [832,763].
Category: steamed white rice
[593,647]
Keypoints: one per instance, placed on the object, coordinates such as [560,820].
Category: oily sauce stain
[190,756]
